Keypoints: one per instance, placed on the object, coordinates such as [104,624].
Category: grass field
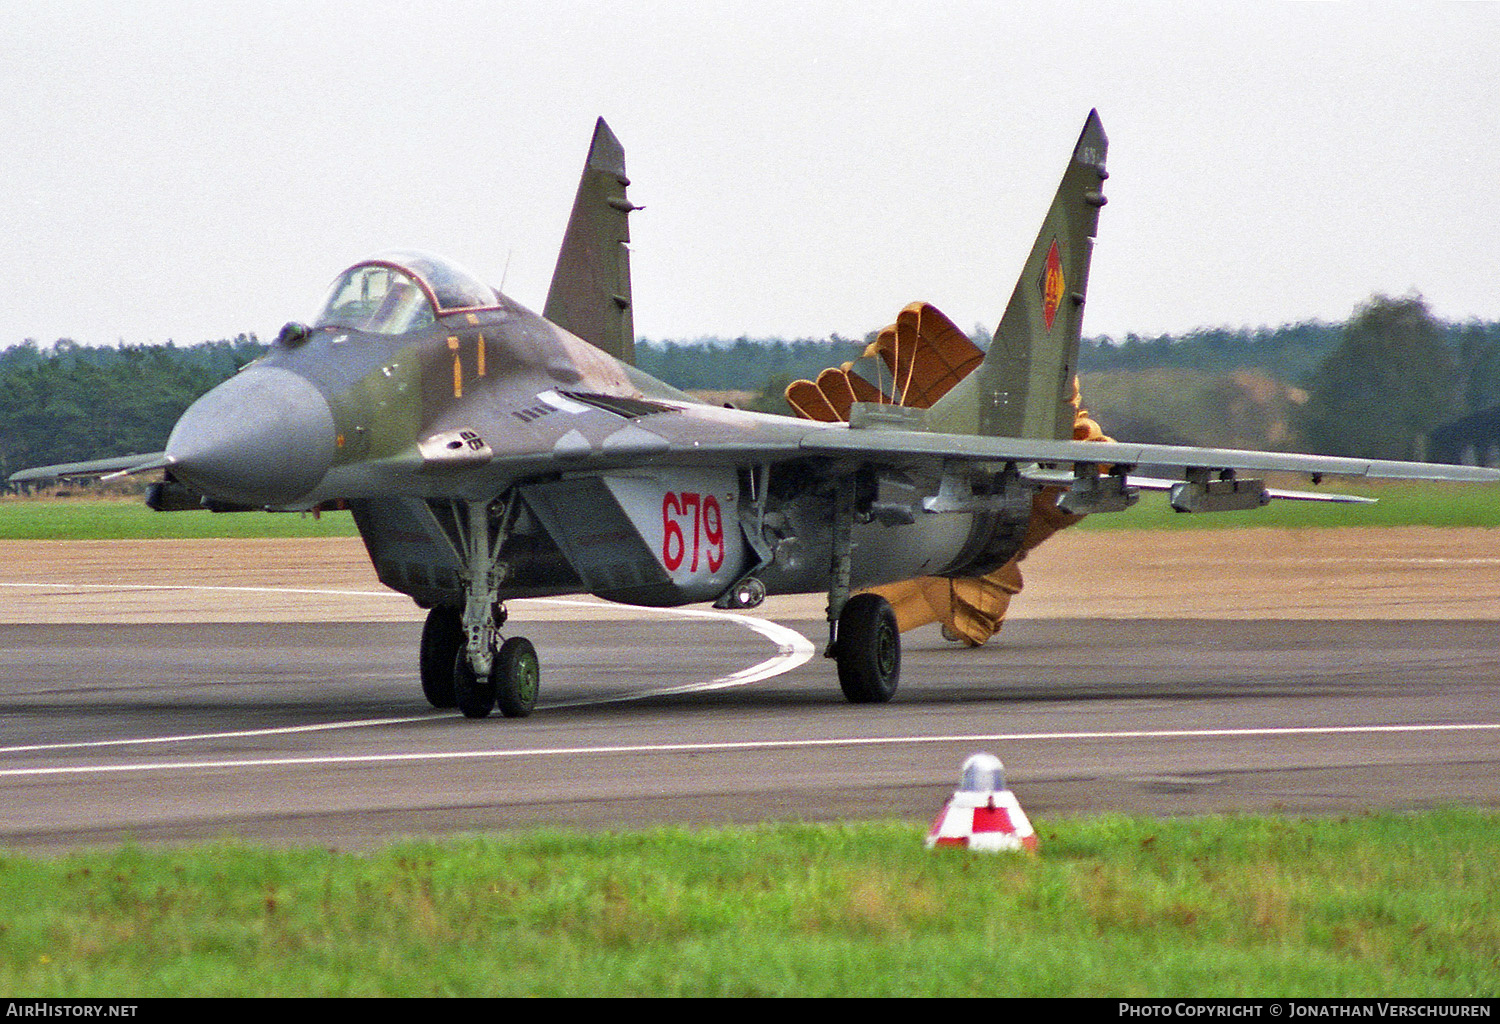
[130,519]
[1384,904]
[1400,504]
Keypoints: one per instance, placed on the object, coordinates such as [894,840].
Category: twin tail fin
[1025,385]
[590,292]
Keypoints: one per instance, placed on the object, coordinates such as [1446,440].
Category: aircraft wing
[119,465]
[591,439]
[1099,474]
[904,447]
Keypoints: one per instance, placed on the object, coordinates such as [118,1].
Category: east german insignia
[1052,285]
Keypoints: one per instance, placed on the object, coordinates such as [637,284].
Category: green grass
[130,519]
[1384,904]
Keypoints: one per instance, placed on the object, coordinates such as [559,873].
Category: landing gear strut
[862,633]
[464,663]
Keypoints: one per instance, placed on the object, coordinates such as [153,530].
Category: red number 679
[684,510]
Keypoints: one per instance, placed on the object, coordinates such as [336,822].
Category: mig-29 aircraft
[488,453]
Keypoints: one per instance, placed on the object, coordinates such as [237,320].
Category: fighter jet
[488,453]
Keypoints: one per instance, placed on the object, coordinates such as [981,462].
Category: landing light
[747,593]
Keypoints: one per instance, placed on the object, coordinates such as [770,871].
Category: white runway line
[745,745]
[285,730]
[202,586]
[793,650]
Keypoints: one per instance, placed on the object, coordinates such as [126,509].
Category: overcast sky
[190,171]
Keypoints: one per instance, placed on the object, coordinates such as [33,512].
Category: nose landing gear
[516,677]
[463,662]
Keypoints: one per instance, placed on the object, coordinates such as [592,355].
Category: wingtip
[105,469]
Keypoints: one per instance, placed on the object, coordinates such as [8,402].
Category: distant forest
[70,402]
[1290,353]
[1375,385]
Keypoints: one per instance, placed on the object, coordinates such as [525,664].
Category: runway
[314,732]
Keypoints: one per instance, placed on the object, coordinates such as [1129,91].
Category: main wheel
[869,650]
[474,696]
[517,676]
[442,638]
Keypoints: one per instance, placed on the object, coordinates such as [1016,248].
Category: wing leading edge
[902,446]
[120,465]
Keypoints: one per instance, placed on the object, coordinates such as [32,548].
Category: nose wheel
[442,640]
[516,677]
[511,684]
[473,692]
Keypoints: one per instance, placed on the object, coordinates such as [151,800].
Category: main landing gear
[464,663]
[868,650]
[862,634]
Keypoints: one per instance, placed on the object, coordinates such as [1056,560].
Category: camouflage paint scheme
[489,453]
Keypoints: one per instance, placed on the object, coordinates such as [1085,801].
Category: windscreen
[377,299]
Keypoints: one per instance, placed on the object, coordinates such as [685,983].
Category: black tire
[474,696]
[518,676]
[442,639]
[869,650]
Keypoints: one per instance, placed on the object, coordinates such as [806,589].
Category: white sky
[190,171]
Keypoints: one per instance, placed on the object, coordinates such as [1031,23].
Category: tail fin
[590,292]
[1023,387]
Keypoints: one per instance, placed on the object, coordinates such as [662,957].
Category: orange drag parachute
[914,362]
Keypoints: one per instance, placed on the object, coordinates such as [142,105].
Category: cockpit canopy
[398,292]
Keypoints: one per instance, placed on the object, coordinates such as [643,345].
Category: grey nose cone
[263,437]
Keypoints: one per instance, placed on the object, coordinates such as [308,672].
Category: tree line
[1385,341]
[71,402]
[1375,386]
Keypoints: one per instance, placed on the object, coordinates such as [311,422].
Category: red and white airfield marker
[982,814]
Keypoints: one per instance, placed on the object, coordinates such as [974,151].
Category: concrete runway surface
[168,692]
